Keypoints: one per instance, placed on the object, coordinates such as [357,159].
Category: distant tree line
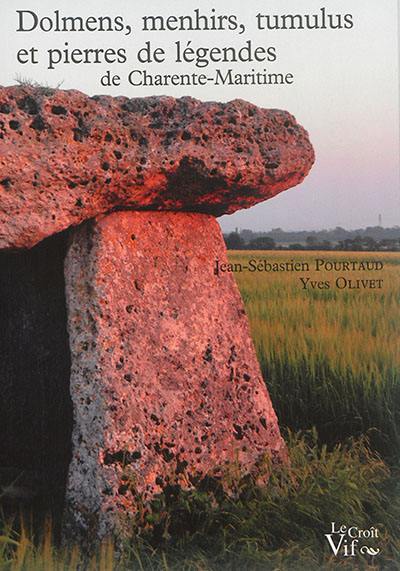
[374,239]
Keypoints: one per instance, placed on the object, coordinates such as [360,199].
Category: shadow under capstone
[35,404]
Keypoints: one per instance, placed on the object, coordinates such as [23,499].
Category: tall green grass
[280,526]
[330,358]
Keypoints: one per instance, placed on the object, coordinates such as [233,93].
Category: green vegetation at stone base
[278,526]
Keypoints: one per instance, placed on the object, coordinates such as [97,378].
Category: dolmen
[157,357]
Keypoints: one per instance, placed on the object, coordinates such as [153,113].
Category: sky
[345,93]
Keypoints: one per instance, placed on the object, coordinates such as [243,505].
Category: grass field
[330,358]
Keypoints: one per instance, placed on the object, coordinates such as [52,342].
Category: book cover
[199,293]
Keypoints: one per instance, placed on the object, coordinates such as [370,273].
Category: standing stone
[165,381]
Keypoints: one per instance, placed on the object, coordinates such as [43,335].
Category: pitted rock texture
[66,157]
[165,382]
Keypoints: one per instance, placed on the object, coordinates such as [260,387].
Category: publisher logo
[345,541]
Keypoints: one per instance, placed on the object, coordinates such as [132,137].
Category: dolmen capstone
[162,373]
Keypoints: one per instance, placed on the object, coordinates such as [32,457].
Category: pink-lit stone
[66,157]
[165,382]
